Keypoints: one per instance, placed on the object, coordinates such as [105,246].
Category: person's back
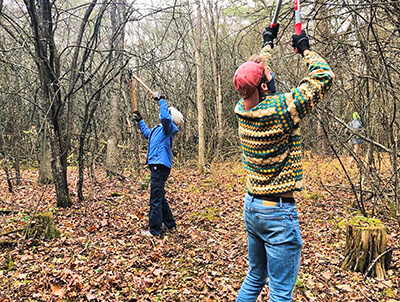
[355,139]
[269,133]
[159,159]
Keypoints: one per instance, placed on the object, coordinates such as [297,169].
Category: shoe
[146,233]
[165,228]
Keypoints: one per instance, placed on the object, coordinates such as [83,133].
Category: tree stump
[366,247]
[42,226]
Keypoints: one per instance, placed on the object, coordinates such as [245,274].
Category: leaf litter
[100,255]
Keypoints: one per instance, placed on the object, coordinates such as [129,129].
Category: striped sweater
[270,132]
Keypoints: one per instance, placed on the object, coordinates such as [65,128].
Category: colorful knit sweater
[270,132]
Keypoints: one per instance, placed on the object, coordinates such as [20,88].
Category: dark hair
[263,79]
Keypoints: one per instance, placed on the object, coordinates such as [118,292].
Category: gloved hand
[301,42]
[157,96]
[269,34]
[136,116]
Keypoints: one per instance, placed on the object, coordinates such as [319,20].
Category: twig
[5,211]
[369,299]
[376,260]
[7,243]
[359,203]
[10,232]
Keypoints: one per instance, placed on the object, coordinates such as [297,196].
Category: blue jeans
[160,211]
[274,247]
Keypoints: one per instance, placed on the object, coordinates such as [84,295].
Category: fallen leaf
[90,296]
[345,287]
[22,276]
[57,290]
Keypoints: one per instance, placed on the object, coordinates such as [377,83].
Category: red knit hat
[246,80]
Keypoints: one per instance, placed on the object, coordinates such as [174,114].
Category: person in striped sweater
[269,131]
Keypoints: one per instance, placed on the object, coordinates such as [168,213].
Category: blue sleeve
[165,117]
[144,129]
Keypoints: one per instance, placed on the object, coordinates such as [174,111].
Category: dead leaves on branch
[101,257]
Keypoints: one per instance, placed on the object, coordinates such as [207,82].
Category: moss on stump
[366,242]
[42,226]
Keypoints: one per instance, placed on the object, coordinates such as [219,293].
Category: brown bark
[200,92]
[364,245]
[45,176]
[212,23]
[117,45]
[48,65]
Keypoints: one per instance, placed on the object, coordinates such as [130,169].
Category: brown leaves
[57,290]
[101,256]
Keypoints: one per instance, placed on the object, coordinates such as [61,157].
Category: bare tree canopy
[65,70]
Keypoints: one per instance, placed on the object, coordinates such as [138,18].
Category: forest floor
[100,255]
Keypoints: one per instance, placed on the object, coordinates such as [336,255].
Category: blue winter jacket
[160,137]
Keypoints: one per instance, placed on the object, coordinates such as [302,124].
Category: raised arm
[142,125]
[269,34]
[313,87]
[144,129]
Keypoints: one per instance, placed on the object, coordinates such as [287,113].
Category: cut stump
[42,226]
[366,247]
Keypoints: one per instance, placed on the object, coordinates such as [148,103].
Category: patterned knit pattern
[270,132]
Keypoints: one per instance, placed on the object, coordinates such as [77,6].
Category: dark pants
[160,211]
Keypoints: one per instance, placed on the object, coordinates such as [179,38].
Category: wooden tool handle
[133,95]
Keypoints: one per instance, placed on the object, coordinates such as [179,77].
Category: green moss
[389,293]
[392,209]
[192,189]
[299,284]
[314,196]
[10,263]
[210,213]
[362,221]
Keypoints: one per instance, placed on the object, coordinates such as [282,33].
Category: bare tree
[48,63]
[117,44]
[200,93]
[212,22]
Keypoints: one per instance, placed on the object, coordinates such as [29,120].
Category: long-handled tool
[297,21]
[276,14]
[132,92]
[142,83]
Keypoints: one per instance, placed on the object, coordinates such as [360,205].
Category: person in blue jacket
[159,159]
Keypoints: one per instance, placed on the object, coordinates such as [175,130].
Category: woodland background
[65,109]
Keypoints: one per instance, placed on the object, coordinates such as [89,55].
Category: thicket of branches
[65,99]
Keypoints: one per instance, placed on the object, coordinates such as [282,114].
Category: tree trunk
[200,93]
[45,176]
[73,80]
[212,22]
[59,169]
[16,138]
[322,146]
[4,163]
[112,152]
[48,65]
[364,247]
[321,33]
[116,48]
